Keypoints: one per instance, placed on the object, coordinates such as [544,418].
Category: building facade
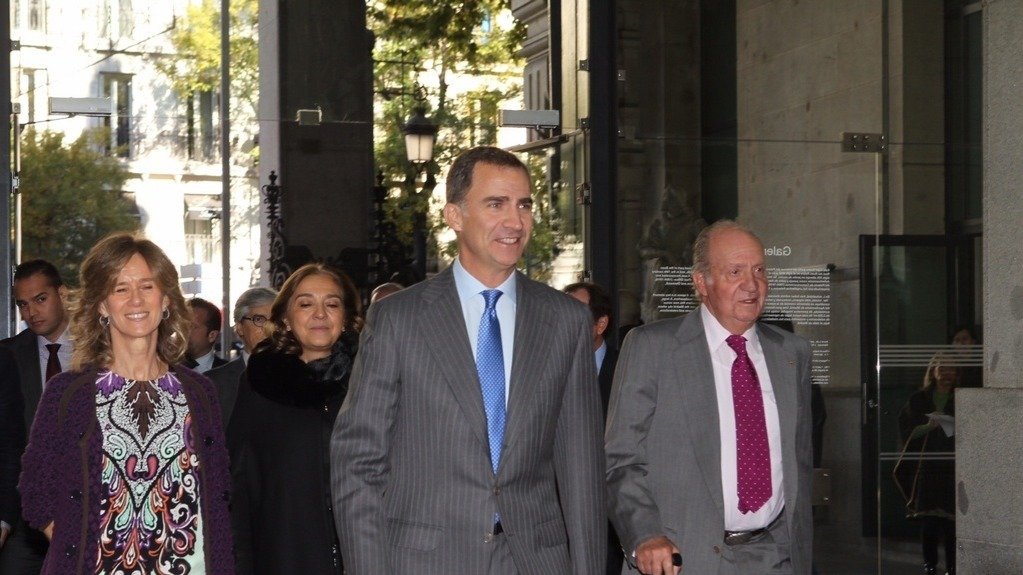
[170,144]
[856,139]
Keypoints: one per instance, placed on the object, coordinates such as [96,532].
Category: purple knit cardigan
[60,479]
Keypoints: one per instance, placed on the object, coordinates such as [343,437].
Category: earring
[166,313]
[104,320]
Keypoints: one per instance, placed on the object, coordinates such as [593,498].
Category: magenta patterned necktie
[753,456]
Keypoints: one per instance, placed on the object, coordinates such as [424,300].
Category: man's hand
[5,530]
[653,557]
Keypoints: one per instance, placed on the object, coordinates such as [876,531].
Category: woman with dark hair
[279,436]
[126,467]
[926,472]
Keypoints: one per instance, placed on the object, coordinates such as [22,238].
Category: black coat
[279,442]
[927,483]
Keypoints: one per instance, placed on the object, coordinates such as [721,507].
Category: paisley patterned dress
[150,509]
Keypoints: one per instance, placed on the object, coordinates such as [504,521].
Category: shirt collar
[207,358]
[470,287]
[717,334]
[600,354]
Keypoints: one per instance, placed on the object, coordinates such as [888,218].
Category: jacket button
[717,550]
[76,495]
[208,441]
[70,550]
[488,537]
[497,491]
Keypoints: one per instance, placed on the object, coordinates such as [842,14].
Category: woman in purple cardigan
[126,469]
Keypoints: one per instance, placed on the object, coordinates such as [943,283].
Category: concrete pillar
[989,443]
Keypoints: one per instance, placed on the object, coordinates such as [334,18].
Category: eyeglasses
[257,320]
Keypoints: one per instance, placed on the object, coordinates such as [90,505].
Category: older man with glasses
[250,316]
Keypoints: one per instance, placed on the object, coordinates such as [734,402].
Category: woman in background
[928,483]
[279,436]
[126,467]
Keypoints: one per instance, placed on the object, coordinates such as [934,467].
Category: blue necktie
[490,366]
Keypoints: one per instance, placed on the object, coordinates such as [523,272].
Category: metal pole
[16,184]
[225,164]
[6,270]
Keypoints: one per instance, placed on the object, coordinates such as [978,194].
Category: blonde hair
[97,278]
[939,359]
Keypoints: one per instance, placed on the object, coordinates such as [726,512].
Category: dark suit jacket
[25,348]
[12,436]
[413,487]
[663,441]
[227,377]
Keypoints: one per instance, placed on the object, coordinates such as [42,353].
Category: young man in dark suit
[40,351]
[206,323]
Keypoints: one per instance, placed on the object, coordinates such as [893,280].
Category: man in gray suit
[469,441]
[251,312]
[708,436]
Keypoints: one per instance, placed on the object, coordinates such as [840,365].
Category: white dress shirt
[473,305]
[600,354]
[722,357]
[204,363]
[64,353]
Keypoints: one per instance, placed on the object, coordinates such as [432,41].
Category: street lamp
[420,134]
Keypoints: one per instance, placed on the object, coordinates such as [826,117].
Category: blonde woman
[926,476]
[126,469]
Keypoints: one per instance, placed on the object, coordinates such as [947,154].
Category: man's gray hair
[701,247]
[250,298]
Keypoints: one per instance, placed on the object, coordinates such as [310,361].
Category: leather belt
[741,537]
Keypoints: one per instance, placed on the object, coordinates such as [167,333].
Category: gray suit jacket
[227,378]
[663,443]
[412,483]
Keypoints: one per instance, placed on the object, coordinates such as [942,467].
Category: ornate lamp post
[420,135]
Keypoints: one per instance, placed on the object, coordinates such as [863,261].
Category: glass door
[916,303]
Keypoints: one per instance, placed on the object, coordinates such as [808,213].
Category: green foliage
[461,39]
[456,32]
[71,197]
[196,41]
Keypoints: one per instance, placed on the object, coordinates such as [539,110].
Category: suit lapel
[699,400]
[529,356]
[443,327]
[781,365]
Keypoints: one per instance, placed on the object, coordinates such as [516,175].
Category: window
[117,19]
[28,14]
[37,15]
[964,119]
[118,88]
[29,81]
[200,125]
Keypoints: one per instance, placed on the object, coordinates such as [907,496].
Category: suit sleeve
[360,447]
[633,401]
[579,459]
[12,436]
